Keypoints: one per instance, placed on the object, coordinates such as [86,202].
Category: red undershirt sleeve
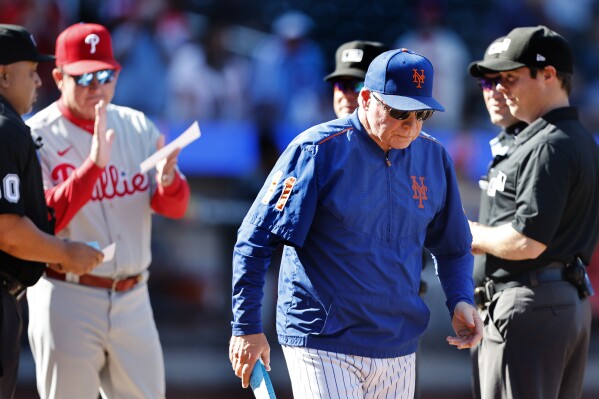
[172,201]
[68,197]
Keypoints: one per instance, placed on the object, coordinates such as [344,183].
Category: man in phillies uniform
[26,235]
[96,331]
[354,201]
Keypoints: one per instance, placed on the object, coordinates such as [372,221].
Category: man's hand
[102,139]
[244,352]
[467,325]
[81,258]
[166,168]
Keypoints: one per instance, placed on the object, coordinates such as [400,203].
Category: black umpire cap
[17,44]
[532,46]
[353,58]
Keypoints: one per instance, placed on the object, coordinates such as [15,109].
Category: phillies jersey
[119,208]
[354,220]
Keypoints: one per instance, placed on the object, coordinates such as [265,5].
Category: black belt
[553,272]
[13,286]
[533,278]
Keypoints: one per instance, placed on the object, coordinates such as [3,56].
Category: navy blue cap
[403,79]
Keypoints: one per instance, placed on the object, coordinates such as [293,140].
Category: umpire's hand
[244,352]
[467,325]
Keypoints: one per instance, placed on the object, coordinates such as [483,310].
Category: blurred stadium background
[251,73]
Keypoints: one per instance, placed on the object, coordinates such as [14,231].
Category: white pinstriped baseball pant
[318,374]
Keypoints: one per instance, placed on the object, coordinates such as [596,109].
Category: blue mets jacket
[353,220]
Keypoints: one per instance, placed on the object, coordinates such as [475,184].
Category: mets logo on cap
[83,48]
[403,79]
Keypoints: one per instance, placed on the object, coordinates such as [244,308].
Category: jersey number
[10,186]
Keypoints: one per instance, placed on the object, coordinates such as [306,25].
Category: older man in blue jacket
[354,201]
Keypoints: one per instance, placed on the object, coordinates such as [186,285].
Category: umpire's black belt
[547,274]
[553,272]
[13,286]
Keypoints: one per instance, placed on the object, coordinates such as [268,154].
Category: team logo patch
[273,186]
[352,55]
[92,39]
[420,190]
[287,187]
[499,47]
[418,78]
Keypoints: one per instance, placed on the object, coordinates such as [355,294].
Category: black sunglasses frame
[400,115]
[489,83]
[346,85]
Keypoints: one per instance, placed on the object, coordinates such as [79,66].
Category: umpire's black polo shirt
[547,187]
[21,187]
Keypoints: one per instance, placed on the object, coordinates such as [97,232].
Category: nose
[37,80]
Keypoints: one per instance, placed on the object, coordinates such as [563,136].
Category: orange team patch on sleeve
[271,189]
[287,187]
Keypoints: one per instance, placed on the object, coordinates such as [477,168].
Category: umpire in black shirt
[542,226]
[27,242]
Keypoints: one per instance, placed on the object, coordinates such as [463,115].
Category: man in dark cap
[538,227]
[27,242]
[351,63]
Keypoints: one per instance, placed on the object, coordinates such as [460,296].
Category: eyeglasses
[421,115]
[104,76]
[489,83]
[349,85]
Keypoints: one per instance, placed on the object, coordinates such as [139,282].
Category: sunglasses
[421,115]
[102,77]
[349,85]
[489,83]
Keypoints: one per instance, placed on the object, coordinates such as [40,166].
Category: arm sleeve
[544,174]
[449,239]
[172,201]
[68,197]
[251,258]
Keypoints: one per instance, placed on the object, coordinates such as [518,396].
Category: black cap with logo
[528,46]
[17,44]
[353,58]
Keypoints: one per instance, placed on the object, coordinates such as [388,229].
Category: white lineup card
[187,137]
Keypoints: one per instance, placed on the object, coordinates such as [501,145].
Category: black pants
[11,326]
[535,344]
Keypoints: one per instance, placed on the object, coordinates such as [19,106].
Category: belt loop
[71,278]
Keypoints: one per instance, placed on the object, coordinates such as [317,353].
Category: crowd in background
[264,61]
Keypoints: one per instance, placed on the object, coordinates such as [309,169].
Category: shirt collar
[87,125]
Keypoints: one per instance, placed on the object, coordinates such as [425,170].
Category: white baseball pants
[328,375]
[88,340]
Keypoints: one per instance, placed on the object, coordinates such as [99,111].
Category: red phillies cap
[83,48]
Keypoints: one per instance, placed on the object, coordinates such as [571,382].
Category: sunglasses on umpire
[102,77]
[346,85]
[489,83]
[421,115]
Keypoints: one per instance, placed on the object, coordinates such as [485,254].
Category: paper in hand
[109,252]
[187,137]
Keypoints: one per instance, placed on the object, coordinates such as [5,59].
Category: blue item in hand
[260,382]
